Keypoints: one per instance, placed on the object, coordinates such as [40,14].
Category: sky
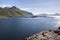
[34,6]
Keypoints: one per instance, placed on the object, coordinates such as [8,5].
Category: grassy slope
[12,12]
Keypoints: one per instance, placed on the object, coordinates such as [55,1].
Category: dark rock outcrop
[59,28]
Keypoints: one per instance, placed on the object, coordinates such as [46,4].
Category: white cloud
[32,10]
[25,9]
[37,11]
[3,5]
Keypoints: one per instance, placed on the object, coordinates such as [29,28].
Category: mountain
[13,12]
[57,14]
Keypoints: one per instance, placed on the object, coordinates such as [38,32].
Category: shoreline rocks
[46,35]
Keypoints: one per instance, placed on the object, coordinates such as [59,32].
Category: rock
[58,27]
[46,35]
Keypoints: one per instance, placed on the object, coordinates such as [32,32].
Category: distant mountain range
[46,15]
[56,14]
[13,12]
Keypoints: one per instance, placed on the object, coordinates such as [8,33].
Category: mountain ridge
[14,12]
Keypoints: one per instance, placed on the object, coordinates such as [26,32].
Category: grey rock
[46,35]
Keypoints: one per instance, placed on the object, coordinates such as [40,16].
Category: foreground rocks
[46,35]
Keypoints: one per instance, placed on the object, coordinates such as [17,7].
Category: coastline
[46,35]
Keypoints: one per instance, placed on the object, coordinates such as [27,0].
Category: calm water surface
[20,28]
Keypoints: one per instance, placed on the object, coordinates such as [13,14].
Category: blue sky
[34,6]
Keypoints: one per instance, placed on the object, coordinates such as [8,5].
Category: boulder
[46,35]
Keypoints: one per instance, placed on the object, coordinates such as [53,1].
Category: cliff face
[14,12]
[46,35]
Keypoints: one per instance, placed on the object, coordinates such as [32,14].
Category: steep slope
[14,12]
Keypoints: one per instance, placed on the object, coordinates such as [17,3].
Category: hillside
[13,12]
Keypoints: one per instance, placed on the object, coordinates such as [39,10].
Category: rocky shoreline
[46,35]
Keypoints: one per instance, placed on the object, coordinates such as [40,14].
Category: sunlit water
[20,28]
[57,21]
